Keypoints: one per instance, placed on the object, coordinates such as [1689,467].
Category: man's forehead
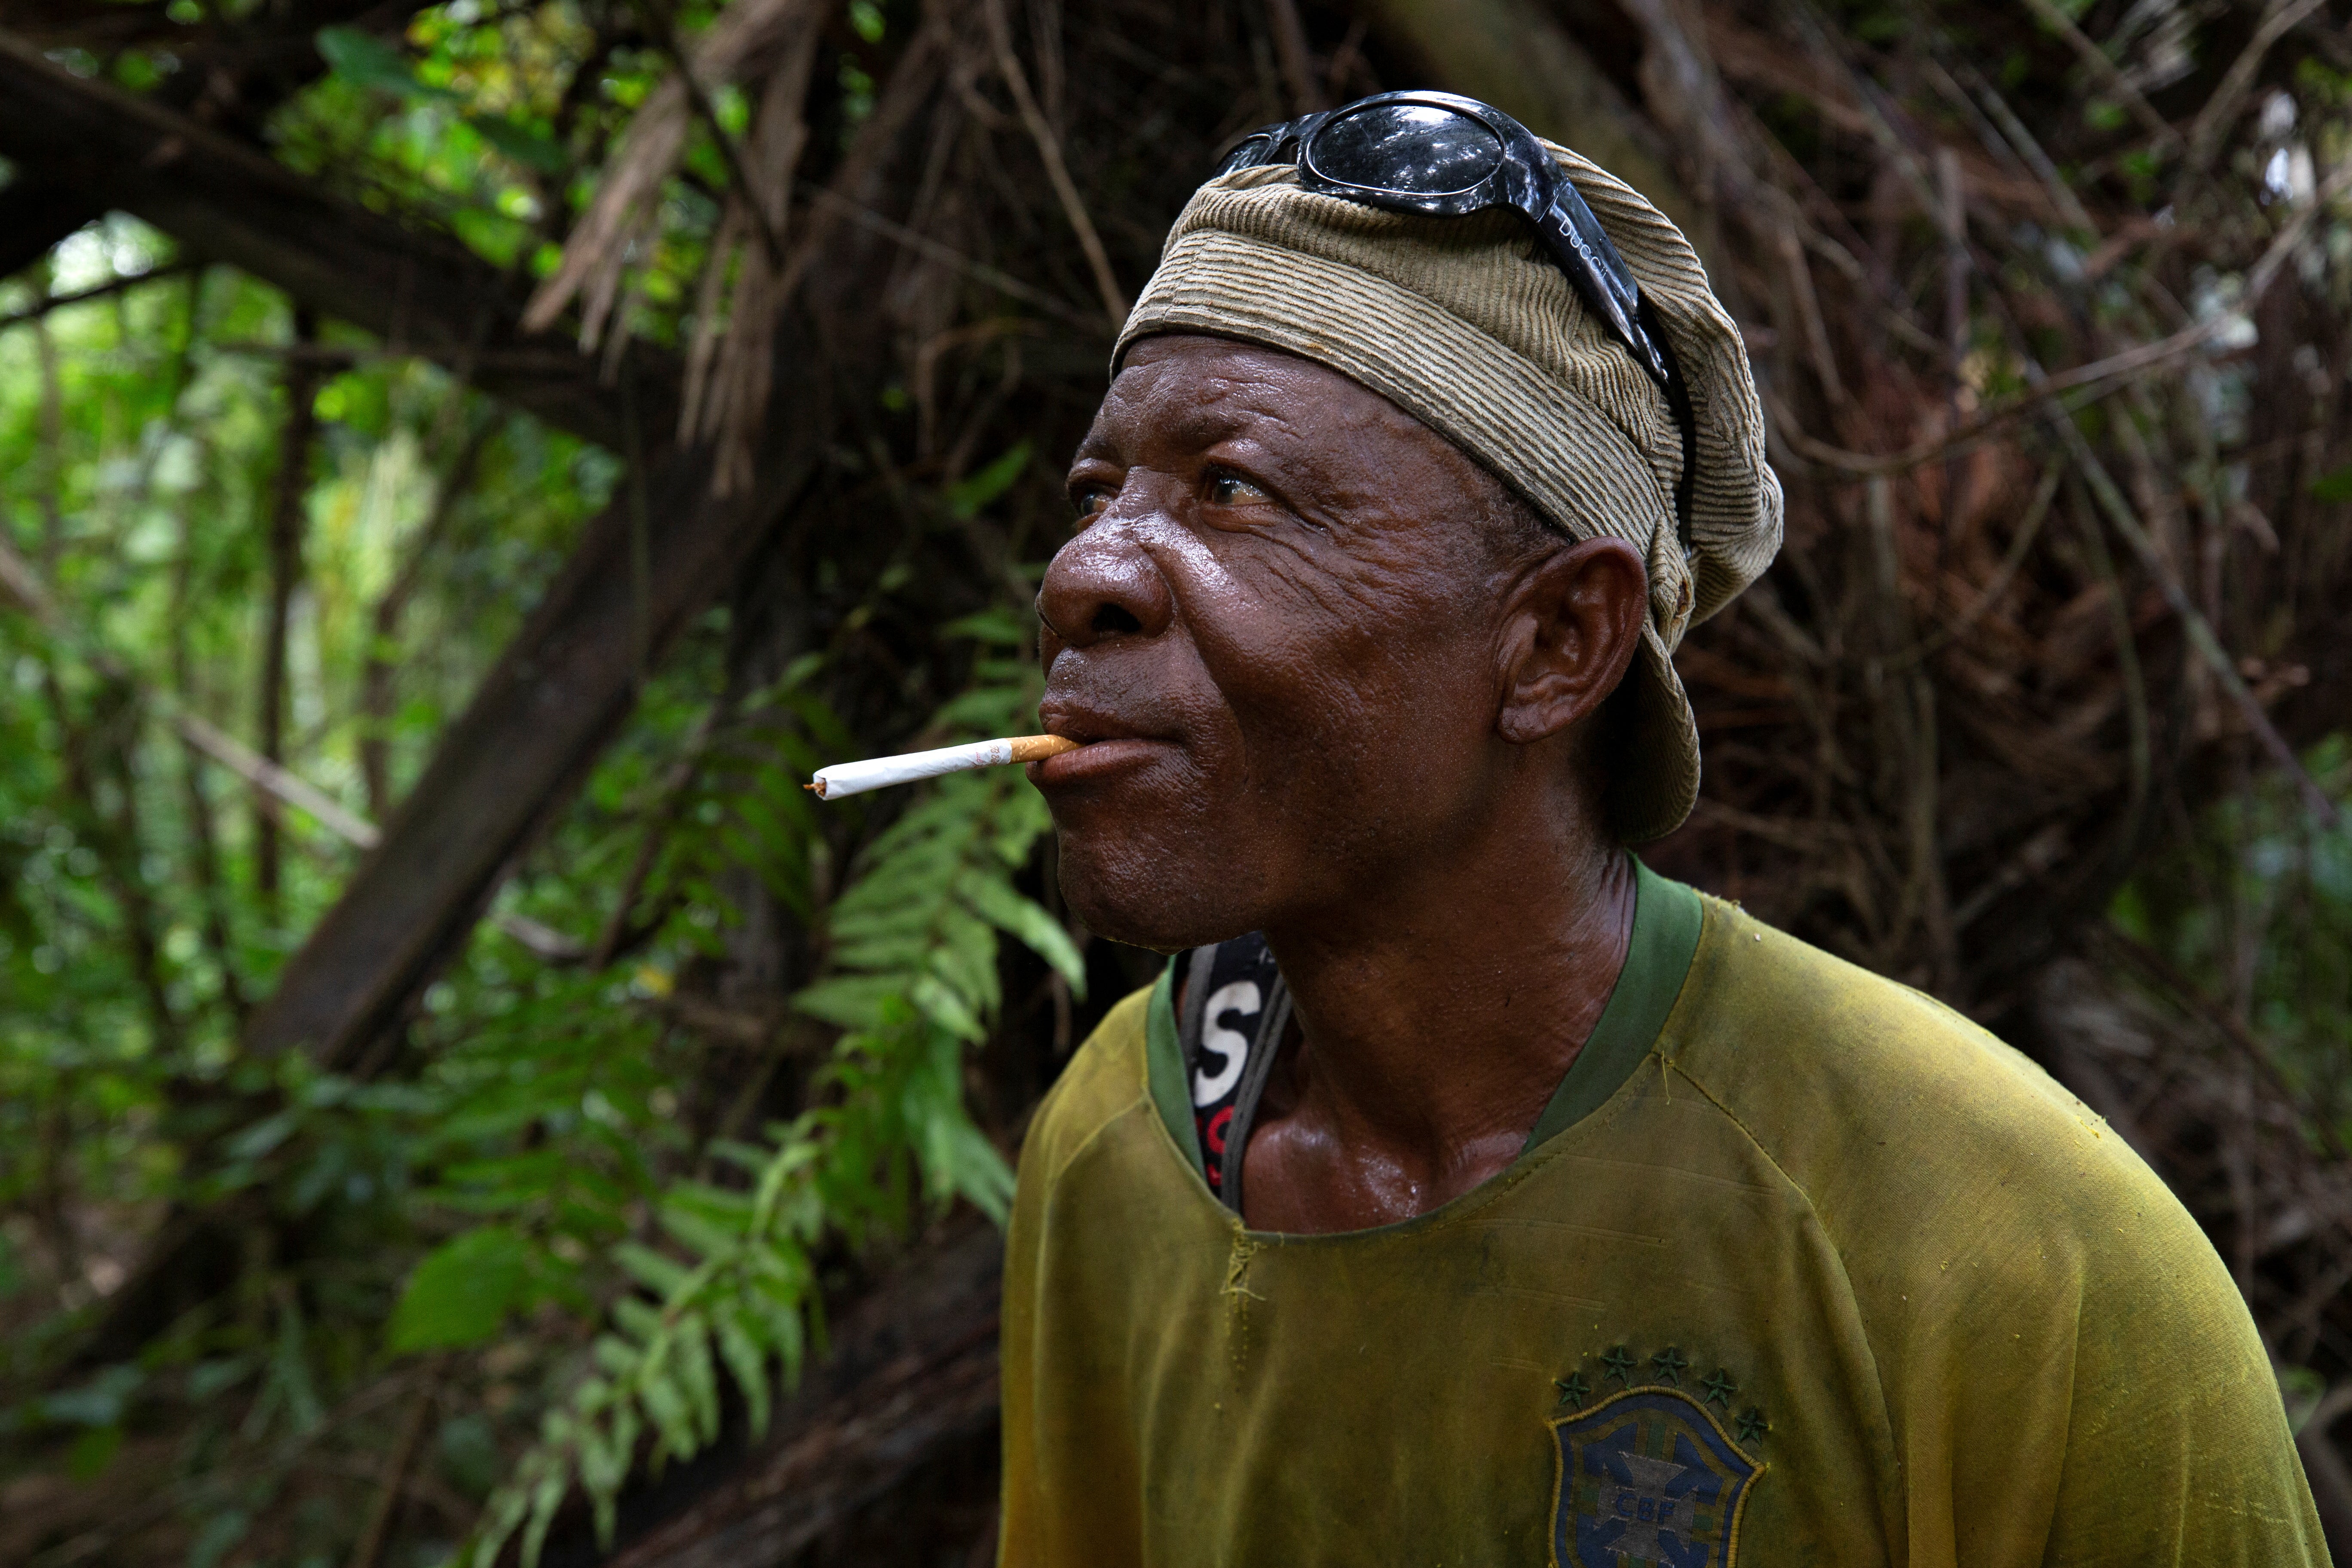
[1197,391]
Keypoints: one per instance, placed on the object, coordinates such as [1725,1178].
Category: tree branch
[422,292]
[569,680]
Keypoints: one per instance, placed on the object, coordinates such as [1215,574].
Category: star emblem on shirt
[1669,1364]
[1619,1363]
[1719,1387]
[1751,1425]
[1572,1389]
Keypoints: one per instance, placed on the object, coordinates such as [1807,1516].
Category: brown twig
[289,494]
[2213,120]
[2161,970]
[2103,376]
[923,244]
[1049,149]
[377,669]
[2139,738]
[271,782]
[618,927]
[2104,70]
[664,30]
[369,1549]
[107,289]
[1290,50]
[2021,543]
[2200,634]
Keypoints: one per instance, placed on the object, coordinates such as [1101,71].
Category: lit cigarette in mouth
[857,778]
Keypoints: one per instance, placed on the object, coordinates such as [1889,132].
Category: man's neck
[1434,1029]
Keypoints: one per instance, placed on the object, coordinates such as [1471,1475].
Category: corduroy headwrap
[1465,323]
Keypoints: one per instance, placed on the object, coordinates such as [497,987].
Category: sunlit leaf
[462,1292]
[968,496]
[366,61]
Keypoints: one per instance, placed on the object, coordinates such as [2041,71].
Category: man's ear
[1573,624]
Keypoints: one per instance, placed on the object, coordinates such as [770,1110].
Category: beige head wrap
[1466,324]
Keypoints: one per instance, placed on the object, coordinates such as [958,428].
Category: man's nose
[1101,585]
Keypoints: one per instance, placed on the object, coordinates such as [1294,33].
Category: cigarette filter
[857,778]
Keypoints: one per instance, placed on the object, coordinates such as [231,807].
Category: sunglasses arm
[1602,286]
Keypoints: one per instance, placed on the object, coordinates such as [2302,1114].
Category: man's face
[1279,630]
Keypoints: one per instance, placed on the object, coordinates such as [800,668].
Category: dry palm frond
[749,39]
[732,363]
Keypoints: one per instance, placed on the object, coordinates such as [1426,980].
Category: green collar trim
[1164,1059]
[1667,917]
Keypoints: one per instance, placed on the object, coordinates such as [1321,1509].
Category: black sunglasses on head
[1444,155]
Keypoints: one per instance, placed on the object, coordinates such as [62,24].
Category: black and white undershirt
[1235,1011]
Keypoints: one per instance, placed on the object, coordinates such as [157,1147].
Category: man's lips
[1097,760]
[1106,747]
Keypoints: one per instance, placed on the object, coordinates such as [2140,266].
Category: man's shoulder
[1108,1078]
[2017,1268]
[1905,1124]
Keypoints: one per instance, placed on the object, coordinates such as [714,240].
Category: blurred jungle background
[461,465]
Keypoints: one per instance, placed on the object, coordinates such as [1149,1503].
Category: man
[1465,1194]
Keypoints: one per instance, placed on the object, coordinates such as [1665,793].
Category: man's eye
[1232,489]
[1089,501]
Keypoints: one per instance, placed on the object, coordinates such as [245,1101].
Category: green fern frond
[911,981]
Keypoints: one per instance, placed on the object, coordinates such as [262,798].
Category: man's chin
[1148,899]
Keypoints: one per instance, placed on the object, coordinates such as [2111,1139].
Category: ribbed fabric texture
[1467,325]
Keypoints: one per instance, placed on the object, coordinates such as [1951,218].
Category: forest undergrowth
[2041,710]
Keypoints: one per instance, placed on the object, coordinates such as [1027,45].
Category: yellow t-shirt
[1811,1271]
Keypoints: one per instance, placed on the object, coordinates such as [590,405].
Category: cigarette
[857,778]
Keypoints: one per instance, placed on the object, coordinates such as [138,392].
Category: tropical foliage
[2050,308]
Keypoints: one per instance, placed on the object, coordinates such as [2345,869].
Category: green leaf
[262,1137]
[948,1011]
[521,143]
[215,1536]
[2335,487]
[989,712]
[647,1324]
[545,1499]
[616,1355]
[92,1452]
[603,1468]
[978,1172]
[967,496]
[699,1376]
[1024,920]
[854,1002]
[366,60]
[747,1358]
[744,1156]
[665,1404]
[656,1273]
[99,1402]
[999,624]
[460,1295]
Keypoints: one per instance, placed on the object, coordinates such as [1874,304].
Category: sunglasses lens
[1252,152]
[1412,149]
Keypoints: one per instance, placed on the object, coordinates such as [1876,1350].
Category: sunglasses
[1442,155]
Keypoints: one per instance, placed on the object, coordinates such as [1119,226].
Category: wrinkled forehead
[1192,391]
[1324,436]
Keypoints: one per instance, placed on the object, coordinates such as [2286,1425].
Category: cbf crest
[1648,1477]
